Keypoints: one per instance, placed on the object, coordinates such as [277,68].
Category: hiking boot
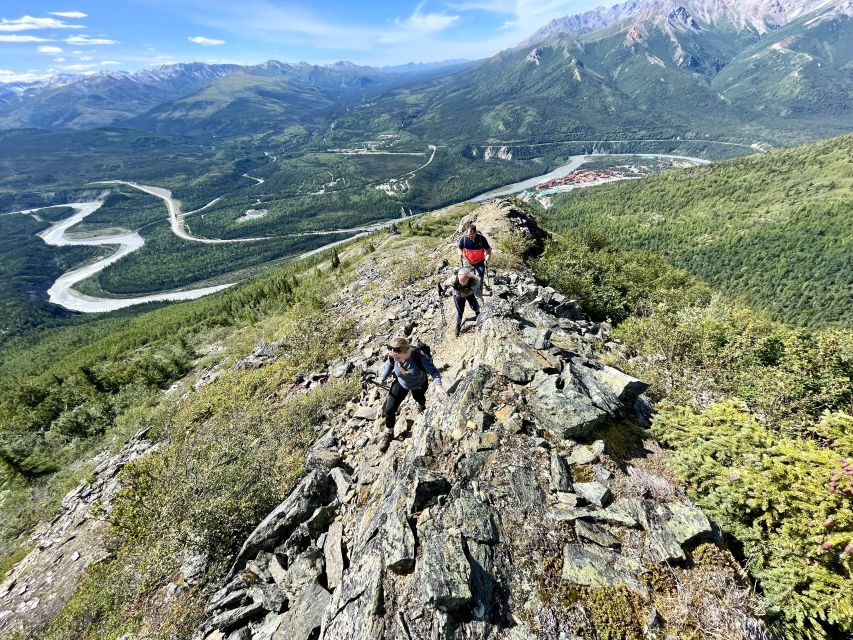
[421,408]
[385,441]
[456,332]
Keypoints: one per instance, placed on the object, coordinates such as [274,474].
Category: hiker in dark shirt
[410,366]
[463,287]
[475,253]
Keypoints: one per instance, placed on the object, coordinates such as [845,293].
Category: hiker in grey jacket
[412,369]
[463,287]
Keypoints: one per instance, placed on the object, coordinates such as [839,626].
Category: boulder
[565,412]
[591,566]
[444,573]
[315,490]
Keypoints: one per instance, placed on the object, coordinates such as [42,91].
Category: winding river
[63,294]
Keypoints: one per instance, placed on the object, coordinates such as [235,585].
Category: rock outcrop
[486,508]
[36,589]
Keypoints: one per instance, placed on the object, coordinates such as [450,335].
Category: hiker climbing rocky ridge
[525,505]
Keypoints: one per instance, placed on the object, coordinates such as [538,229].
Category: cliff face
[526,505]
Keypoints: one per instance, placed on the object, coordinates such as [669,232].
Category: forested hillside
[776,229]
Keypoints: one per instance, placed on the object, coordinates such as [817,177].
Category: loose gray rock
[365,413]
[342,481]
[597,534]
[561,479]
[593,492]
[333,552]
[444,573]
[582,454]
[591,566]
[398,543]
[303,621]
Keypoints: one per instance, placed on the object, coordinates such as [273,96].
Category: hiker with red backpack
[475,253]
[412,367]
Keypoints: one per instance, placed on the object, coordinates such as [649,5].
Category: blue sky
[40,38]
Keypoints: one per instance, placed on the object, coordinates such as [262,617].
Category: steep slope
[527,505]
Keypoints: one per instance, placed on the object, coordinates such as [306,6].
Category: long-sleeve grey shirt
[409,374]
[460,291]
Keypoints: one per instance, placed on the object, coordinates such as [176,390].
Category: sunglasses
[396,349]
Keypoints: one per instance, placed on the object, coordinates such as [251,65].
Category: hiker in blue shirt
[410,366]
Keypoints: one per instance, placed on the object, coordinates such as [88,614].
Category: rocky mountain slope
[528,504]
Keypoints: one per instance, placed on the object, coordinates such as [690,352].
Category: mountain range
[664,66]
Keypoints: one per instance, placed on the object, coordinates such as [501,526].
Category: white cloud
[110,62]
[14,76]
[69,14]
[81,41]
[84,58]
[29,23]
[427,22]
[79,67]
[206,42]
[23,39]
[59,59]
[45,49]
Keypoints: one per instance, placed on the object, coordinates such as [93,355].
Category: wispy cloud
[44,49]
[427,22]
[69,14]
[27,76]
[87,41]
[79,67]
[206,42]
[109,63]
[59,59]
[521,16]
[23,39]
[29,23]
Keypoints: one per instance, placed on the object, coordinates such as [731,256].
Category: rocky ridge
[37,587]
[521,507]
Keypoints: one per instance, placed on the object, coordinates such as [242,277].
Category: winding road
[176,218]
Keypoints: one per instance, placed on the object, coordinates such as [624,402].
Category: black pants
[395,398]
[460,307]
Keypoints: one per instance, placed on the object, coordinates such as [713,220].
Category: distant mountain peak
[680,17]
[759,16]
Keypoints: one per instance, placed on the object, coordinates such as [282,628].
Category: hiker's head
[464,275]
[400,349]
[471,231]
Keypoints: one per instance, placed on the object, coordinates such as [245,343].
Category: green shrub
[788,501]
[615,284]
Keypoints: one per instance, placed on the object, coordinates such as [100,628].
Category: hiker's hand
[441,391]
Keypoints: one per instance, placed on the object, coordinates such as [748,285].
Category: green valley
[775,229]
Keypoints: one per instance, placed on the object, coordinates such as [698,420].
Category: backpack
[418,349]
